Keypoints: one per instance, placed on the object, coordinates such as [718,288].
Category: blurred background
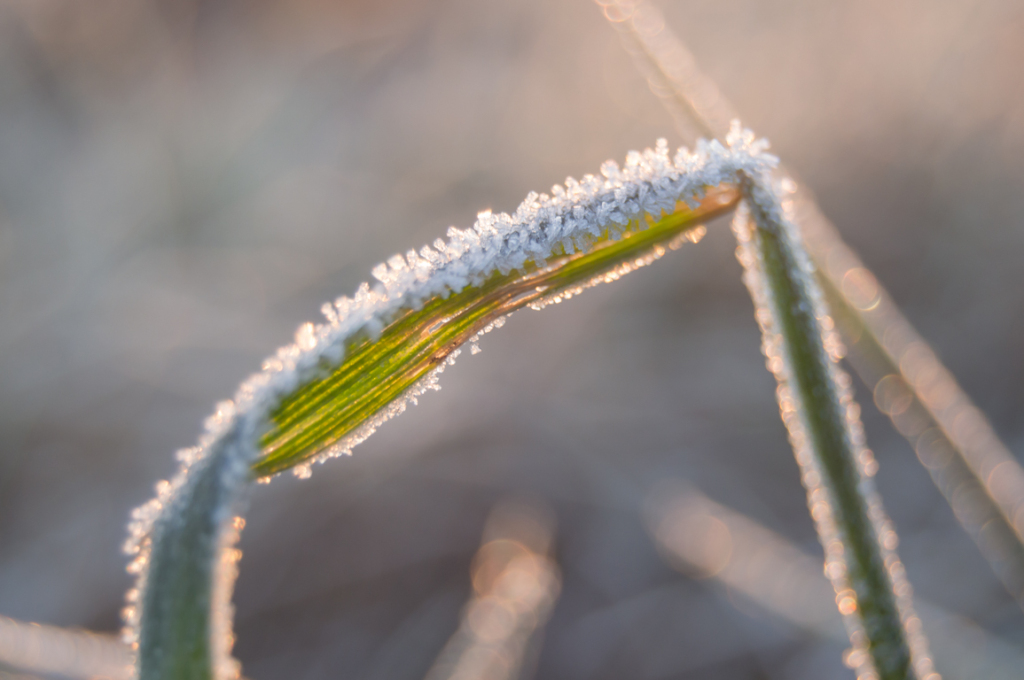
[183,182]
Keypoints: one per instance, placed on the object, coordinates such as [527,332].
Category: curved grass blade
[328,391]
[377,371]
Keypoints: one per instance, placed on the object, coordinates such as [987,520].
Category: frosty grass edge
[572,218]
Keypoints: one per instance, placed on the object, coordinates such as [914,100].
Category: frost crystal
[570,218]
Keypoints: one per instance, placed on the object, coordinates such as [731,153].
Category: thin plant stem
[826,435]
[516,584]
[981,518]
[66,652]
[185,618]
[956,426]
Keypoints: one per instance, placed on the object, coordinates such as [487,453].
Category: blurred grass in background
[182,184]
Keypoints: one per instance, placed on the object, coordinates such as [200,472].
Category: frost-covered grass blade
[329,390]
[827,438]
[376,371]
[950,427]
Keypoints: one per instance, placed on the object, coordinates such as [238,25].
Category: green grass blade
[375,372]
[184,554]
[327,391]
[825,433]
[696,104]
[185,614]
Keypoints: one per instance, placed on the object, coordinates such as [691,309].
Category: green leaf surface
[825,421]
[176,640]
[376,371]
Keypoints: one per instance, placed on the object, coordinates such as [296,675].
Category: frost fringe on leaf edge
[570,218]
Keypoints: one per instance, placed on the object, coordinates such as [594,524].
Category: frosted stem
[951,436]
[827,438]
[185,619]
[377,352]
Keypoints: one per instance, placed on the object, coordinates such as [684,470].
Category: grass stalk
[824,428]
[184,620]
[977,456]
